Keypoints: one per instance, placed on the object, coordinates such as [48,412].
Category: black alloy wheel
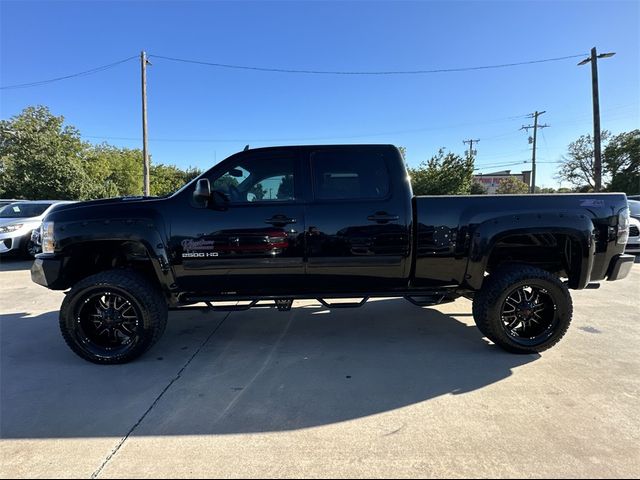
[108,321]
[113,316]
[523,309]
[528,314]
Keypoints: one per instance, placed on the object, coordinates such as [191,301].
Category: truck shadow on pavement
[254,371]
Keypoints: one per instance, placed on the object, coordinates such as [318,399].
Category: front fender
[487,234]
[141,231]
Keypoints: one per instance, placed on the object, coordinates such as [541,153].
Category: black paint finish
[342,220]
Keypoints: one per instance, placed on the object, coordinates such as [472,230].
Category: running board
[230,308]
[343,304]
[283,304]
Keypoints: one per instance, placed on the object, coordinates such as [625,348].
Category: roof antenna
[246,147]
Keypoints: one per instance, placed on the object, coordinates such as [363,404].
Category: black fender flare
[139,231]
[487,234]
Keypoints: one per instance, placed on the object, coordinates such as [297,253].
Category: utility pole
[597,154]
[472,152]
[535,127]
[145,152]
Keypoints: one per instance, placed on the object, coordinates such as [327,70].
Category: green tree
[512,185]
[577,166]
[165,179]
[443,174]
[285,189]
[114,171]
[258,190]
[477,188]
[621,161]
[40,157]
[222,183]
[190,173]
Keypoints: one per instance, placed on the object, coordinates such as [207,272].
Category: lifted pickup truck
[324,222]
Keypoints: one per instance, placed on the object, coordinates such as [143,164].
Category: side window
[258,179]
[349,175]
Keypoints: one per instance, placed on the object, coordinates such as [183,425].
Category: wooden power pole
[145,151]
[597,155]
[471,141]
[535,127]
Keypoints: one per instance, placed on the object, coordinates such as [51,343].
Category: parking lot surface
[389,389]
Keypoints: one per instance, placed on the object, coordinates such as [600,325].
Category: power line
[281,139]
[66,77]
[383,72]
[512,164]
[286,70]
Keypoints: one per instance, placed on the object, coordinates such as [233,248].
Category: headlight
[46,236]
[623,227]
[11,228]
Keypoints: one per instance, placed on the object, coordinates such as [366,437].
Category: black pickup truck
[327,223]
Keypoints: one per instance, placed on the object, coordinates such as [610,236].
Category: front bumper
[10,241]
[632,247]
[47,271]
[620,266]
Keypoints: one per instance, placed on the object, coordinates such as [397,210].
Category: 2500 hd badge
[198,249]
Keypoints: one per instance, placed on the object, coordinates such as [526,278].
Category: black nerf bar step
[343,304]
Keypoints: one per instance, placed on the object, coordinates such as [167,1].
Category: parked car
[324,222]
[633,244]
[634,208]
[6,201]
[17,221]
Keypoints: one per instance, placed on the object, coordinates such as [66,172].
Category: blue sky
[198,115]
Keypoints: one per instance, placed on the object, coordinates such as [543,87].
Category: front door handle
[280,220]
[382,217]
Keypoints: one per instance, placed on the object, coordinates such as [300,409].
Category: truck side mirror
[202,193]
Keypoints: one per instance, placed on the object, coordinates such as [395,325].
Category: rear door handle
[382,217]
[280,220]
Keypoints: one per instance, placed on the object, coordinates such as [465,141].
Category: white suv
[17,221]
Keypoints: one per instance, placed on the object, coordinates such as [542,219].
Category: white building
[491,181]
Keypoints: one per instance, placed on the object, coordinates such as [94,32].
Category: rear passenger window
[349,175]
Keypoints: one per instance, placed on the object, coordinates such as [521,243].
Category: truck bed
[455,237]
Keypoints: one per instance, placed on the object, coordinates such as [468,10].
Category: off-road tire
[488,307]
[147,302]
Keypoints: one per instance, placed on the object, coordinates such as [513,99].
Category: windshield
[23,210]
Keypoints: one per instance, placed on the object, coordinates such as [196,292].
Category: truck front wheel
[112,317]
[523,309]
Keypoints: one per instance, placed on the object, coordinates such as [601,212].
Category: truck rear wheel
[523,309]
[112,317]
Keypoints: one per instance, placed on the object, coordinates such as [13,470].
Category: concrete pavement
[386,390]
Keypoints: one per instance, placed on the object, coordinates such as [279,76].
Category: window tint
[23,210]
[258,180]
[349,175]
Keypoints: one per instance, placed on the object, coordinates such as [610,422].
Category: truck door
[358,220]
[251,241]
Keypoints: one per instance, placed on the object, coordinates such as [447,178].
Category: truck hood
[105,201]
